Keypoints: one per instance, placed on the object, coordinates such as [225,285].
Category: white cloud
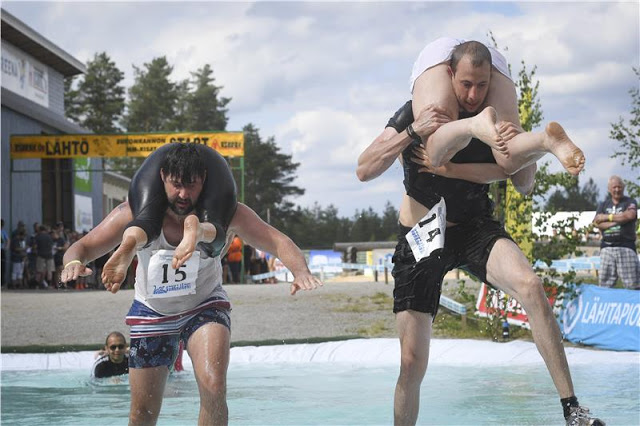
[324,77]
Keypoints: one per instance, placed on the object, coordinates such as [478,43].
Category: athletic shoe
[579,416]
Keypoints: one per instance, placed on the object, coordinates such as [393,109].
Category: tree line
[156,102]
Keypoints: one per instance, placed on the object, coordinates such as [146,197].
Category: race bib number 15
[164,281]
[428,234]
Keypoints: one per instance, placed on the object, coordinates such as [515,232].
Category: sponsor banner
[82,175]
[329,260]
[603,317]
[228,144]
[515,312]
[83,213]
[25,76]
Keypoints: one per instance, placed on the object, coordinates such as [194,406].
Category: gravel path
[261,312]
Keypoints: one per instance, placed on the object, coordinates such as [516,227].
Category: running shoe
[579,416]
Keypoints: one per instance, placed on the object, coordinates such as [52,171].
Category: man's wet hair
[478,52]
[183,163]
[115,334]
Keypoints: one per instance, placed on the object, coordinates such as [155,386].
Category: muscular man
[473,241]
[616,219]
[178,291]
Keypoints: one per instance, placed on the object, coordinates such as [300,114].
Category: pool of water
[265,391]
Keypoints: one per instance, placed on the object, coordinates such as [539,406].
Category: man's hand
[508,130]
[421,158]
[601,217]
[304,282]
[73,270]
[429,120]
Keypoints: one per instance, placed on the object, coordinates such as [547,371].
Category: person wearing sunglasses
[113,359]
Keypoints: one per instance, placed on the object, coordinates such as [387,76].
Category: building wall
[21,186]
[21,192]
[56,91]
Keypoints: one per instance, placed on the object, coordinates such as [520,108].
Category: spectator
[616,218]
[18,254]
[19,228]
[234,258]
[113,359]
[5,246]
[60,245]
[32,257]
[45,266]
[247,254]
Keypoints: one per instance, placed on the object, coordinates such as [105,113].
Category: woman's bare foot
[115,270]
[558,143]
[483,127]
[187,246]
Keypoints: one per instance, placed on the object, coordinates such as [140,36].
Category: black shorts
[467,246]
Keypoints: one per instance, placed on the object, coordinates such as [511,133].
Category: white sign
[24,75]
[83,213]
[428,234]
[164,281]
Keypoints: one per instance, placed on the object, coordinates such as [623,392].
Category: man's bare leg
[115,270]
[509,270]
[147,390]
[414,329]
[208,348]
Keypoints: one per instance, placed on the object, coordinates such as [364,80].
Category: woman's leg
[528,147]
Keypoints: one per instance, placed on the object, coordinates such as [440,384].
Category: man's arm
[481,173]
[257,233]
[605,221]
[98,242]
[381,154]
[389,144]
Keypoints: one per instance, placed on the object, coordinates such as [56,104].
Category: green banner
[82,176]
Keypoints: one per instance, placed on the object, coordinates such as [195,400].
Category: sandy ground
[261,312]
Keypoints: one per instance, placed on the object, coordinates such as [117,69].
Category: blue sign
[324,257]
[603,317]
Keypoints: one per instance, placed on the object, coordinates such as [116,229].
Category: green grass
[378,302]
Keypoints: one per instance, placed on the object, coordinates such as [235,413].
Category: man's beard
[181,211]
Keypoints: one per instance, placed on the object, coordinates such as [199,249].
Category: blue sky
[324,77]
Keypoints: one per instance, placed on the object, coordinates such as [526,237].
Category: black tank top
[464,199]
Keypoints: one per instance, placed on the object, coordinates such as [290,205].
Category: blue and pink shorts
[155,338]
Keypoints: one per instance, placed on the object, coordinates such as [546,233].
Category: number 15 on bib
[428,234]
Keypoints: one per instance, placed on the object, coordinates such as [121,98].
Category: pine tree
[206,108]
[102,95]
[628,136]
[152,98]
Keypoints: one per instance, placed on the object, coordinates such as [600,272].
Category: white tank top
[178,294]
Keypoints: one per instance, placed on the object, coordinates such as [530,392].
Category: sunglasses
[114,347]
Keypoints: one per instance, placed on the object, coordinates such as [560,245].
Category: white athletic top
[439,51]
[172,291]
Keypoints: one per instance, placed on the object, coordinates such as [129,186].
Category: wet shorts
[155,338]
[467,246]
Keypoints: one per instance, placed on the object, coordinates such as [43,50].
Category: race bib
[164,281]
[428,234]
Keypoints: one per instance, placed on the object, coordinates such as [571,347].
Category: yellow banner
[228,144]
